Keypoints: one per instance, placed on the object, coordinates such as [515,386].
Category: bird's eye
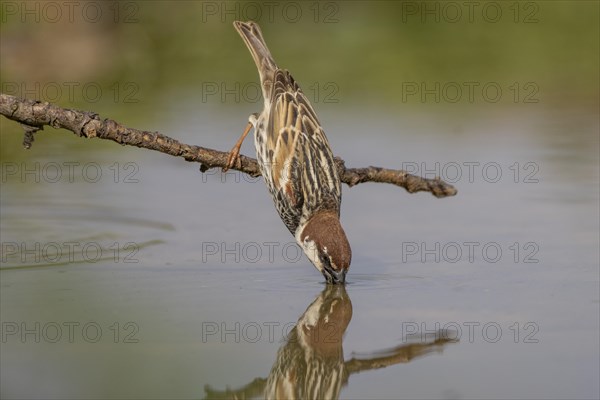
[324,258]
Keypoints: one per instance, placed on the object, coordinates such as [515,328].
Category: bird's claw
[234,155]
[232,159]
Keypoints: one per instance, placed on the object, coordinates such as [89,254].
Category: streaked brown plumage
[296,162]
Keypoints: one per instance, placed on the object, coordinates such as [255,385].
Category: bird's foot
[234,155]
[233,159]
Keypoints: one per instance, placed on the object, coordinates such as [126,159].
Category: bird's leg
[234,154]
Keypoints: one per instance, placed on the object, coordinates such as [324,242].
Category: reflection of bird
[296,162]
[311,362]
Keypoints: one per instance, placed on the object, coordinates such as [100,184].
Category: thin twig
[34,115]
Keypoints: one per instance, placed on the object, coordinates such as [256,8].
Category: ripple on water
[88,232]
[282,280]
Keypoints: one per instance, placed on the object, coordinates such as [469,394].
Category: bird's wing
[302,170]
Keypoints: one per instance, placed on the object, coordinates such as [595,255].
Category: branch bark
[34,115]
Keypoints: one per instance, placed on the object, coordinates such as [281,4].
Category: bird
[296,161]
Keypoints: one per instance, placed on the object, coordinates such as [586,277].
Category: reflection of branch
[397,355]
[34,115]
[379,359]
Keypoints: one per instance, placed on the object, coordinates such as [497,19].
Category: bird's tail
[250,32]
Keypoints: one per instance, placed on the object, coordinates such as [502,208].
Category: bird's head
[325,244]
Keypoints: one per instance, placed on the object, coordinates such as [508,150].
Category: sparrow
[296,162]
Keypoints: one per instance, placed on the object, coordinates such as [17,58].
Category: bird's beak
[335,277]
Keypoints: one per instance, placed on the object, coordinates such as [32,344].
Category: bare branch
[34,115]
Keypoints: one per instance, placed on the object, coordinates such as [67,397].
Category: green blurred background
[128,60]
[367,48]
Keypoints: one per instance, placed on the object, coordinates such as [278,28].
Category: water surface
[200,289]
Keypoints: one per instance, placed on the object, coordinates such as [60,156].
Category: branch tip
[28,137]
